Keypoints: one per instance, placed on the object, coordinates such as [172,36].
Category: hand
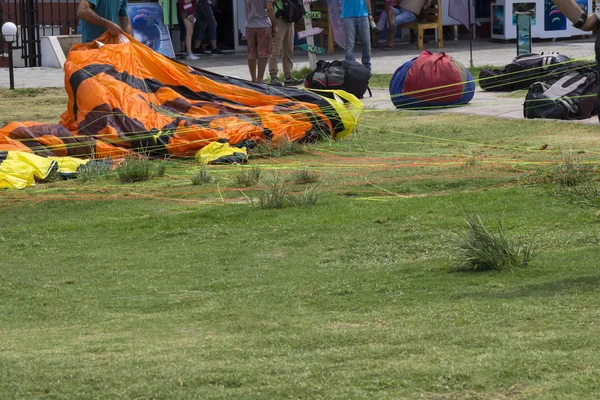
[371,19]
[192,18]
[590,23]
[274,29]
[114,29]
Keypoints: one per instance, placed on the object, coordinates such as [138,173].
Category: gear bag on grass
[525,70]
[573,96]
[350,76]
[291,11]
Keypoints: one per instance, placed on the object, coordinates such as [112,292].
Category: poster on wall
[149,29]
[583,4]
[521,8]
[554,20]
[497,19]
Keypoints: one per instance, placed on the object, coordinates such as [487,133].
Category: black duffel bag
[350,76]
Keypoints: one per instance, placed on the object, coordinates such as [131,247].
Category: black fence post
[31,34]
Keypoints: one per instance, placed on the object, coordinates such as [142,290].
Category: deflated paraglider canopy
[124,97]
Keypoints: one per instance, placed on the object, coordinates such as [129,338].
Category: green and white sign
[311,48]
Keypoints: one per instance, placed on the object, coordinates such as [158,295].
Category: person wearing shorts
[260,29]
[187,9]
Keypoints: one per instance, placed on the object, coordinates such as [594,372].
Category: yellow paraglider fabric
[217,151]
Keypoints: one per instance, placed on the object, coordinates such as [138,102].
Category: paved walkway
[485,52]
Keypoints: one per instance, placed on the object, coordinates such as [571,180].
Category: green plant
[160,168]
[308,198]
[135,169]
[305,175]
[203,176]
[572,171]
[94,169]
[585,194]
[274,195]
[480,248]
[283,147]
[248,177]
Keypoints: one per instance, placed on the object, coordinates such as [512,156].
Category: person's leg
[189,31]
[350,33]
[365,40]
[252,68]
[212,28]
[404,17]
[265,49]
[382,20]
[390,38]
[252,41]
[199,29]
[288,49]
[277,47]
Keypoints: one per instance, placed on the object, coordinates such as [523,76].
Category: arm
[573,12]
[125,23]
[271,15]
[87,13]
[369,9]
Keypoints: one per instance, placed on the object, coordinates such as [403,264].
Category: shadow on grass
[568,285]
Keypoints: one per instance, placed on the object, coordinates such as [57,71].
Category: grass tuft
[479,248]
[248,178]
[94,170]
[160,168]
[273,196]
[135,169]
[308,198]
[284,147]
[572,171]
[203,176]
[305,175]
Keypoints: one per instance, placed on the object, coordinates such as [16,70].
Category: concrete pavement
[485,52]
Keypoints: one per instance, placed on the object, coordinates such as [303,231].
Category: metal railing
[36,18]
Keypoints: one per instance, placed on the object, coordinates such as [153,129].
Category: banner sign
[313,15]
[309,32]
[334,8]
[313,49]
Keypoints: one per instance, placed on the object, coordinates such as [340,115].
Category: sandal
[388,48]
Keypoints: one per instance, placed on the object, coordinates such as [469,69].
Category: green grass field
[168,290]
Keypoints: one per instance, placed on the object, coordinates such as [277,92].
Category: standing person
[187,9]
[206,21]
[99,16]
[283,43]
[398,12]
[356,14]
[260,28]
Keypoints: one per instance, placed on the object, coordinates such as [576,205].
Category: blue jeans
[350,27]
[402,17]
[205,19]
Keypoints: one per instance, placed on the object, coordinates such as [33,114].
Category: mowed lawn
[166,290]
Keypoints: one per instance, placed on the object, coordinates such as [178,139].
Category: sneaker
[201,52]
[275,82]
[191,57]
[293,82]
[217,51]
